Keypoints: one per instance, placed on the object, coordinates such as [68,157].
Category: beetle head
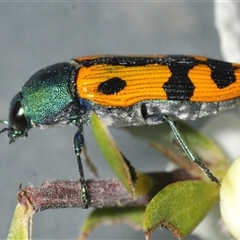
[18,126]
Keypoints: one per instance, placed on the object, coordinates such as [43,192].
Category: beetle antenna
[4,122]
[4,129]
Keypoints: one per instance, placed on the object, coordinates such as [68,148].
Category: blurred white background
[36,34]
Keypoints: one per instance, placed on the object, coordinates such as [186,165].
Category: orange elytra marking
[143,83]
[200,58]
[205,88]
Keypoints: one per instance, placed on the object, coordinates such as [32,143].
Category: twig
[102,193]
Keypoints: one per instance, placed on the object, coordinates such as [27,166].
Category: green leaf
[132,216]
[20,223]
[180,207]
[118,163]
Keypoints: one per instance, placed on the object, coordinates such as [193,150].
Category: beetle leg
[151,119]
[188,152]
[78,146]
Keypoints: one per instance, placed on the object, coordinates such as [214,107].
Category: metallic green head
[47,99]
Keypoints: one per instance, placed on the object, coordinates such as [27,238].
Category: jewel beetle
[124,91]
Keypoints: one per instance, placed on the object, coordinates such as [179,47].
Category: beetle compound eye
[16,117]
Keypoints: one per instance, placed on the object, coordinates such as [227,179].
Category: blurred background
[34,35]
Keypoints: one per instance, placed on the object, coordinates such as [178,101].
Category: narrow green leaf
[136,183]
[180,207]
[20,223]
[132,216]
[121,166]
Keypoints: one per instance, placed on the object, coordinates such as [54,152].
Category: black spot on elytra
[112,86]
[222,73]
[179,86]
